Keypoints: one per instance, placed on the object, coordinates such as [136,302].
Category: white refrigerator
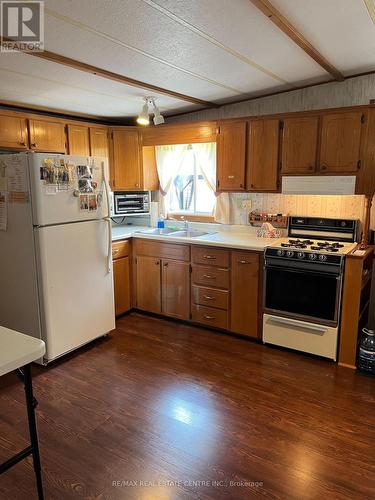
[56,278]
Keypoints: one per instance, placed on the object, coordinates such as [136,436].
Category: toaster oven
[131,203]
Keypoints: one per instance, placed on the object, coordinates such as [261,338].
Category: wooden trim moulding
[109,75]
[42,111]
[291,31]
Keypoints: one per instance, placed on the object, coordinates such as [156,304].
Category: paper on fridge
[16,173]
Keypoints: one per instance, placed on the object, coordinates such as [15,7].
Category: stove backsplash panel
[348,206]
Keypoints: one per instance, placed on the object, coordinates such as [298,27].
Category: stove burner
[328,247]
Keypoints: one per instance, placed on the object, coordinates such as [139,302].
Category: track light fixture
[148,108]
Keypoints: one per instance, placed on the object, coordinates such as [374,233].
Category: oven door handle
[303,271]
[316,330]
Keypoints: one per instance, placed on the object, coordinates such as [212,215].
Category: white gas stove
[303,276]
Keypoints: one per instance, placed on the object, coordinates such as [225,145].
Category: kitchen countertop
[242,240]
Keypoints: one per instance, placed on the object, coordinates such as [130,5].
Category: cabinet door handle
[209,257]
[310,167]
[323,167]
[208,297]
[34,144]
[22,143]
[166,264]
[157,262]
[252,186]
[115,251]
[209,276]
[208,317]
[243,262]
[230,176]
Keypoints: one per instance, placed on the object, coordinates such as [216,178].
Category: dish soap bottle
[160,221]
[366,354]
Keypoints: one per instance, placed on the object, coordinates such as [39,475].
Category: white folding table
[17,352]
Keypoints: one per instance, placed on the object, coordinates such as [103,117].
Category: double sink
[190,233]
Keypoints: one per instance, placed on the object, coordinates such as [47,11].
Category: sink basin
[189,234]
[158,231]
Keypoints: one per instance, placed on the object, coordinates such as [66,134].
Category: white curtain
[169,160]
[205,155]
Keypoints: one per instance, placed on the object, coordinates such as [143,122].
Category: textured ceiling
[215,50]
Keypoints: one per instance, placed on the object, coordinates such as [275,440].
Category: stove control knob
[280,253]
[301,255]
[289,253]
[312,256]
[322,258]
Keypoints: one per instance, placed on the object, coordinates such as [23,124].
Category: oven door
[303,294]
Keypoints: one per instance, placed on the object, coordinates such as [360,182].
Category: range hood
[319,184]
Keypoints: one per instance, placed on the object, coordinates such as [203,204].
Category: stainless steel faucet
[185,221]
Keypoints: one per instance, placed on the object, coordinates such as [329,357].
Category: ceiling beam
[284,25]
[109,75]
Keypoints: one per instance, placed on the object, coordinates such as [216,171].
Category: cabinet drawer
[209,316]
[162,250]
[210,297]
[239,257]
[211,276]
[211,256]
[120,249]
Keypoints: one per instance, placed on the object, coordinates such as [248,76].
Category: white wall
[351,92]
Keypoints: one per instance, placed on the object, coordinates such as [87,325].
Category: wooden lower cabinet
[175,286]
[245,293]
[168,282]
[121,283]
[121,276]
[148,283]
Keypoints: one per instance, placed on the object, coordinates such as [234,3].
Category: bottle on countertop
[366,353]
[160,221]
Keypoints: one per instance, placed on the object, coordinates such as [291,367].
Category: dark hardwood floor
[159,410]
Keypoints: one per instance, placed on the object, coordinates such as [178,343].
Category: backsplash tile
[351,207]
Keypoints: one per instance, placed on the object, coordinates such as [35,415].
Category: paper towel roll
[154,213]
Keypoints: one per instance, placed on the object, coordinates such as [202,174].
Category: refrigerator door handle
[109,249]
[107,195]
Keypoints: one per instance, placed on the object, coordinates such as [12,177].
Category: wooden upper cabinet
[98,142]
[231,156]
[299,145]
[263,155]
[13,132]
[341,142]
[126,160]
[78,140]
[148,283]
[47,136]
[176,289]
[245,293]
[149,169]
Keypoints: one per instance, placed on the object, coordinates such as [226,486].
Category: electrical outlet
[246,204]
